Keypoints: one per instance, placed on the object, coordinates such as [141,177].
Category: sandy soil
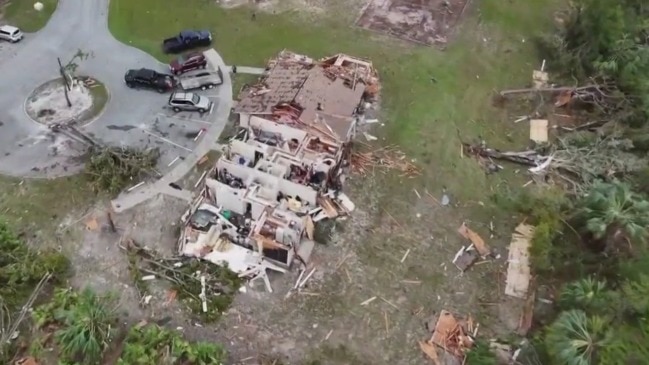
[48,104]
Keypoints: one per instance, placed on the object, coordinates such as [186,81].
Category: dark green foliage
[613,213]
[606,39]
[587,294]
[21,268]
[85,323]
[601,325]
[481,354]
[152,345]
[575,338]
[216,304]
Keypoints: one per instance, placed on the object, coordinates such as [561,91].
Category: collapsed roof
[327,91]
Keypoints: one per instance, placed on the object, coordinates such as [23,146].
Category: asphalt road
[131,117]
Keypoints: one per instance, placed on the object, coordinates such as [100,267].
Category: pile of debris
[388,157]
[205,289]
[453,336]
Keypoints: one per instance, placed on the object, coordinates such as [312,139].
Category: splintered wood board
[518,271]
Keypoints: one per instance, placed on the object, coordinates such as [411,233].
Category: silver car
[10,34]
[189,102]
[201,79]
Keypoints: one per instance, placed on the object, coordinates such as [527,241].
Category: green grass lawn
[493,50]
[100,97]
[21,13]
[37,206]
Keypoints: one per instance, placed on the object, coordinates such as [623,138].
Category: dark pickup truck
[186,40]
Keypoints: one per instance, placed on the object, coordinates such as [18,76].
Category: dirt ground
[421,21]
[362,258]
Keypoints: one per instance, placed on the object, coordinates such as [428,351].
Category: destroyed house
[282,171]
[323,95]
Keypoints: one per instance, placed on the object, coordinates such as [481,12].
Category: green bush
[152,345]
[22,267]
[85,322]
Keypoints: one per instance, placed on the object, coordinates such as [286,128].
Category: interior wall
[243,149]
[293,189]
[230,199]
[235,169]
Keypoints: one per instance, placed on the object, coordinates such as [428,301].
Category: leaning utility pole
[66,83]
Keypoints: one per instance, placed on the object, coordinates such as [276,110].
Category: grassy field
[36,207]
[21,13]
[100,97]
[492,49]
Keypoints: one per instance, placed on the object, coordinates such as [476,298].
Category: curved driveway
[28,149]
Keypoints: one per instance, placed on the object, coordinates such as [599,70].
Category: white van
[10,34]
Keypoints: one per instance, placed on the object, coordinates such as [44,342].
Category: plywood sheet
[518,270]
[539,130]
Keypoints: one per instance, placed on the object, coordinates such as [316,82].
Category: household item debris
[465,258]
[518,269]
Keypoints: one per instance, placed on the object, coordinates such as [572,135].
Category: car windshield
[182,59]
[195,99]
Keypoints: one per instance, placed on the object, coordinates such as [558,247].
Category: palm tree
[586,294]
[613,213]
[576,339]
[87,326]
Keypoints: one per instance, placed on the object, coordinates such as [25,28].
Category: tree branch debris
[205,288]
[112,169]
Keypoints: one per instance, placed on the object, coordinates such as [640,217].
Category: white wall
[306,193]
[244,120]
[226,197]
[243,149]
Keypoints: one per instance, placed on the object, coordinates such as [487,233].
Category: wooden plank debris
[446,324]
[388,157]
[475,239]
[518,270]
[452,335]
[430,351]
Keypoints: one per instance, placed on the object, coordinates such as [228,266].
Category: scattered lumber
[388,157]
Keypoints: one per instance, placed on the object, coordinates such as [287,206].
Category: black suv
[149,79]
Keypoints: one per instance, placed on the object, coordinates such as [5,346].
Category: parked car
[201,79]
[188,62]
[149,79]
[186,40]
[10,33]
[189,102]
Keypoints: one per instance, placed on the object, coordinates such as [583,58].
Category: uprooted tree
[111,169]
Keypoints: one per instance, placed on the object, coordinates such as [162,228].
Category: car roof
[182,96]
[8,28]
[145,72]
